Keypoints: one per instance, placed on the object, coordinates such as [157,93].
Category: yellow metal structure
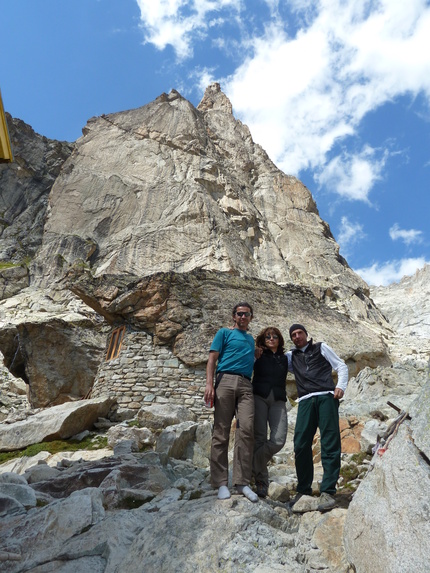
[5,147]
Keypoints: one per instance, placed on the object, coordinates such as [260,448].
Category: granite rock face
[387,527]
[406,304]
[179,309]
[25,185]
[172,188]
[167,208]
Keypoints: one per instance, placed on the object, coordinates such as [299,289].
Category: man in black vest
[312,366]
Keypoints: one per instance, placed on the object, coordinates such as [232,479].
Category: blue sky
[336,91]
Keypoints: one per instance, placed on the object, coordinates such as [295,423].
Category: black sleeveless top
[313,373]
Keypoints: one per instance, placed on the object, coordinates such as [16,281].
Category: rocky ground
[144,503]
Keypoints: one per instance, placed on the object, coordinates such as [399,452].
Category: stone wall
[145,373]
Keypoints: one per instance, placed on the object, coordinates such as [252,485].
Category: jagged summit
[170,187]
[215,99]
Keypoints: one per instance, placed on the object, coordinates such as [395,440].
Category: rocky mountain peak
[171,188]
[215,99]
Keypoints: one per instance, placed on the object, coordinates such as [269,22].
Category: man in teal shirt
[232,356]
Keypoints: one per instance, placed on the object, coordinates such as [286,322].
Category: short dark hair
[260,342]
[242,304]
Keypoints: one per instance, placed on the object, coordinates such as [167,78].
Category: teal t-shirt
[236,351]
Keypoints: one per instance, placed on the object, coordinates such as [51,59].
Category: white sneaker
[223,492]
[247,492]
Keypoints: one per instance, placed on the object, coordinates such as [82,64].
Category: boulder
[9,505]
[58,422]
[40,535]
[174,440]
[200,302]
[278,492]
[142,436]
[306,503]
[350,434]
[159,416]
[56,348]
[22,493]
[369,435]
[387,527]
[12,477]
[41,472]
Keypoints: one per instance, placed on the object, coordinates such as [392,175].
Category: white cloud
[306,82]
[179,22]
[349,234]
[301,95]
[391,271]
[407,236]
[352,176]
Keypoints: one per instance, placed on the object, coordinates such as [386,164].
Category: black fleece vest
[270,373]
[313,373]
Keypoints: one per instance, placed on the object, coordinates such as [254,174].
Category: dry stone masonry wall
[145,373]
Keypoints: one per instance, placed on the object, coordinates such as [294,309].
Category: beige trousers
[233,395]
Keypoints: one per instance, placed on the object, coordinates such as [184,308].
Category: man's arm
[210,374]
[289,355]
[339,366]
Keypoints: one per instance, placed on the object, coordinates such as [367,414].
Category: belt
[235,374]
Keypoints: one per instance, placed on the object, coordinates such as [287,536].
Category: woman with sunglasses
[270,373]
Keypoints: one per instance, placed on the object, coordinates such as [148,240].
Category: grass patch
[56,446]
[41,503]
[5,265]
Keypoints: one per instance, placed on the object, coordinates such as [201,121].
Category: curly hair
[261,338]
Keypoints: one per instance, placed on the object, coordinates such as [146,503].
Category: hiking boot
[326,502]
[262,489]
[295,499]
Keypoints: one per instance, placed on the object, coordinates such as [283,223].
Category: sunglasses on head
[247,314]
[274,336]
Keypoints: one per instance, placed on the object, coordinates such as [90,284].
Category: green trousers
[317,412]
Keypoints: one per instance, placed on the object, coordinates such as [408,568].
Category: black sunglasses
[247,314]
[274,336]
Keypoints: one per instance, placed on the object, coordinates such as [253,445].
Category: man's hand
[338,393]
[209,392]
[210,373]
[258,352]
